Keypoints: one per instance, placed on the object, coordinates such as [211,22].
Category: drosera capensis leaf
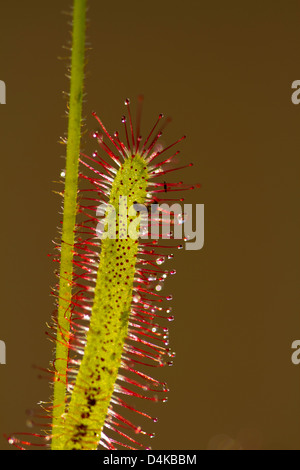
[108,327]
[118,315]
[122,332]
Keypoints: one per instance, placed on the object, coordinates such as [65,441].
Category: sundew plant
[110,321]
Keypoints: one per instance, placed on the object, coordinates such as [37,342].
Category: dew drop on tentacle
[180,219]
[136,298]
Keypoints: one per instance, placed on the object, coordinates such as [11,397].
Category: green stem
[69,214]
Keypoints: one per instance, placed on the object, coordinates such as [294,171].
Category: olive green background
[223,71]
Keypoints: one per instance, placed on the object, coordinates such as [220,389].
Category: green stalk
[69,214]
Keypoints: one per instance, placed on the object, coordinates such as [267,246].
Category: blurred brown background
[223,71]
